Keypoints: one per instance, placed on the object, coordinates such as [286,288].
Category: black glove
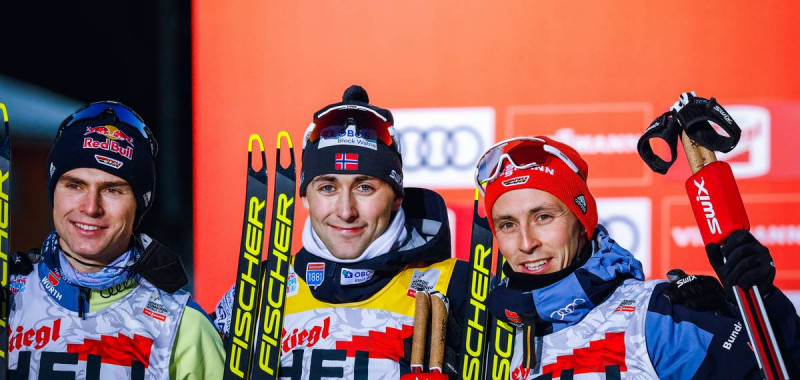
[743,262]
[23,262]
[697,292]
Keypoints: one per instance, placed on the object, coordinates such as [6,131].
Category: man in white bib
[578,300]
[369,245]
[99,301]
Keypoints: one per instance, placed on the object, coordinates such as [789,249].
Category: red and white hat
[538,163]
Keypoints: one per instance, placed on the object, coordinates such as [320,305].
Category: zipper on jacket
[83,301]
[529,348]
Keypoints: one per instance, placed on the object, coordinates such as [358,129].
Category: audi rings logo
[437,148]
[567,310]
[628,222]
[623,229]
[441,145]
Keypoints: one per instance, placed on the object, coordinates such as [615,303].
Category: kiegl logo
[306,337]
[33,337]
[708,207]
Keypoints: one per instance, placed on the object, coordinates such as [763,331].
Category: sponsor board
[605,135]
[751,157]
[441,145]
[773,221]
[628,221]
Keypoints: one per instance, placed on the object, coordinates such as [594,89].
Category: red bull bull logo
[111,132]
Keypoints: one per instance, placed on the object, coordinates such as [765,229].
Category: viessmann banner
[460,76]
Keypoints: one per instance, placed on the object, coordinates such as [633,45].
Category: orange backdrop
[593,73]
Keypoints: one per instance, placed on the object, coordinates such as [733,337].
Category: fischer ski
[474,333]
[239,345]
[5,296]
[267,346]
[501,337]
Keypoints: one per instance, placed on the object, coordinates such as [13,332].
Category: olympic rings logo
[566,310]
[439,148]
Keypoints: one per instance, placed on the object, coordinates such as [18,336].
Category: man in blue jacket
[579,301]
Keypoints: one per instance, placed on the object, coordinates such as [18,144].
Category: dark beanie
[352,148]
[105,143]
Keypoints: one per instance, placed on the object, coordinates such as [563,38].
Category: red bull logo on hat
[110,132]
[113,137]
[109,145]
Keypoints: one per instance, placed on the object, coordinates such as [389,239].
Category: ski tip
[5,112]
[255,137]
[288,139]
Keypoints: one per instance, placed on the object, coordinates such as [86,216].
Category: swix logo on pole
[716,202]
[708,207]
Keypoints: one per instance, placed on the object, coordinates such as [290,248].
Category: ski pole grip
[439,308]
[421,313]
[697,155]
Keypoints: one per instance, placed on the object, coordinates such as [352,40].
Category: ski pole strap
[694,113]
[664,128]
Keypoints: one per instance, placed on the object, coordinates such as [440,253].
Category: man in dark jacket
[369,245]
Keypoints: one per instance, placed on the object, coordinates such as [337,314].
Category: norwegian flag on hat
[346,161]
